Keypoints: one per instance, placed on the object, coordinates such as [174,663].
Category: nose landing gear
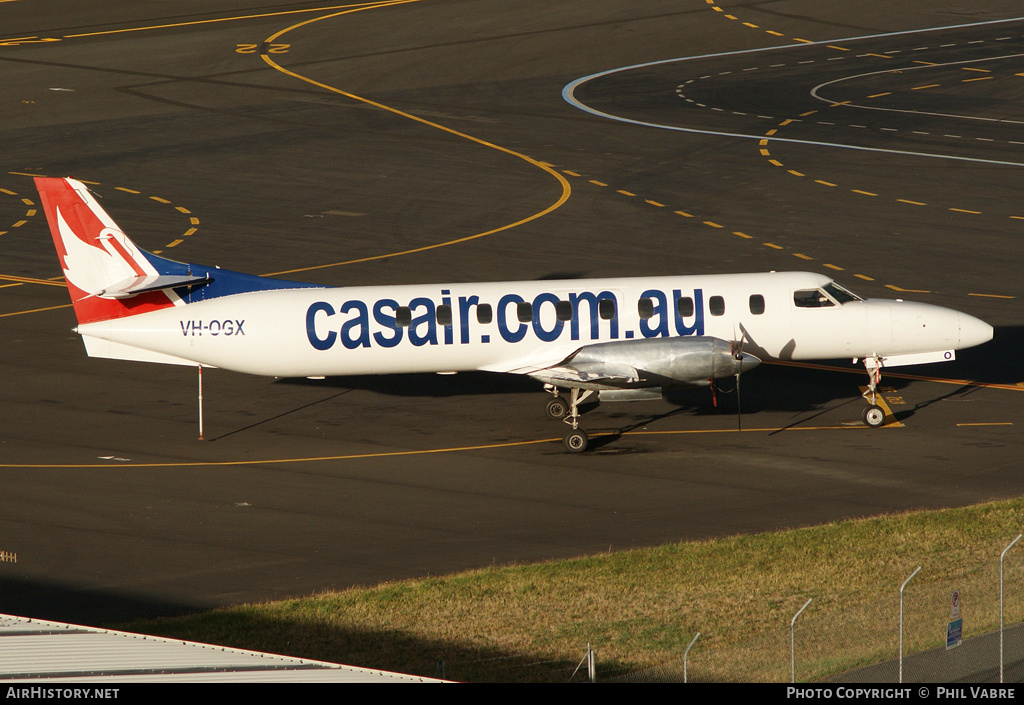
[874,415]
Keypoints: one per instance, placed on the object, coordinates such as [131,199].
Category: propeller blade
[739,406]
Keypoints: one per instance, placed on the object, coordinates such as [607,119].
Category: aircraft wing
[635,363]
[566,371]
[598,376]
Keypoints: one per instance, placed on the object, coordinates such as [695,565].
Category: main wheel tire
[557,408]
[874,416]
[576,441]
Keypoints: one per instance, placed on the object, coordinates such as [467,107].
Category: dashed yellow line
[907,291]
[35,310]
[18,281]
[31,280]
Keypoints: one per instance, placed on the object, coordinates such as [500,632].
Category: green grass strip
[639,609]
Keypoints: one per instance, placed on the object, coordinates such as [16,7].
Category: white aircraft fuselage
[624,338]
[353,330]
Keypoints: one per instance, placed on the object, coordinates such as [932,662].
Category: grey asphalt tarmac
[285,137]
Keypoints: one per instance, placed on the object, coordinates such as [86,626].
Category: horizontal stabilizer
[152,282]
[101,347]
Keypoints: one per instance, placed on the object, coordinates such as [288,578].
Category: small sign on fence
[954,633]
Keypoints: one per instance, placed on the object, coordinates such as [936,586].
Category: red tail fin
[98,260]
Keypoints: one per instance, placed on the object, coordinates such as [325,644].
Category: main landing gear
[874,415]
[575,439]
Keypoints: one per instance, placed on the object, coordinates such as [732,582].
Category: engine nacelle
[690,359]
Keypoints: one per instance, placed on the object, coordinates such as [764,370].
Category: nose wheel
[874,415]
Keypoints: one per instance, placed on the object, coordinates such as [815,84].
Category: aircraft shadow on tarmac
[778,388]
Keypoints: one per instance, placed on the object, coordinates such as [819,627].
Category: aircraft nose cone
[973,331]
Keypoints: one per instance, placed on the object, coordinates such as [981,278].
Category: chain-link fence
[842,637]
[856,638]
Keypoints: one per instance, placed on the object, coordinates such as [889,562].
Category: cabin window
[403,316]
[645,307]
[811,298]
[606,308]
[684,306]
[563,311]
[483,313]
[756,304]
[444,315]
[524,311]
[716,305]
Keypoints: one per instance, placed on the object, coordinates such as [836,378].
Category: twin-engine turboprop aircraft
[625,338]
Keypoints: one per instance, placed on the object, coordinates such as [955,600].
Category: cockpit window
[828,295]
[811,298]
[841,294]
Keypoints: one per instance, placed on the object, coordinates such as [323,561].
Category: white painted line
[568,94]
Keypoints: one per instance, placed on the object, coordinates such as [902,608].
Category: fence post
[687,653]
[792,641]
[901,617]
[1001,556]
